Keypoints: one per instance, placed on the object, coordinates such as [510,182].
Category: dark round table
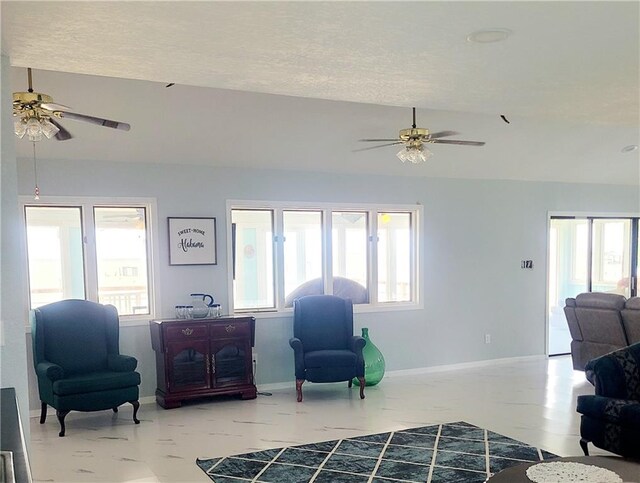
[628,470]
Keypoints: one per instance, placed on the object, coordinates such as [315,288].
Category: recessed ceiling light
[629,149]
[488,36]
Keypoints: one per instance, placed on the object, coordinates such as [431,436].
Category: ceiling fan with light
[414,139]
[37,116]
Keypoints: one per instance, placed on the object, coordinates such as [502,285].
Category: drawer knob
[187,331]
[230,328]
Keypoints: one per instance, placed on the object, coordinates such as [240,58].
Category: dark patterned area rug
[451,453]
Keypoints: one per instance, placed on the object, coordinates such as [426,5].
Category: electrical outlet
[487,338]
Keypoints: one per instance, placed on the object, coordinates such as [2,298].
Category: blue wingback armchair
[325,349]
[78,362]
[611,418]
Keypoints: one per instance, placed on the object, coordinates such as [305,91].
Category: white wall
[475,235]
[13,360]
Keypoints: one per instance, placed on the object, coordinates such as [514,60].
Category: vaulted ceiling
[294,85]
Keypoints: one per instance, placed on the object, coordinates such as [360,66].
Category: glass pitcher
[201,303]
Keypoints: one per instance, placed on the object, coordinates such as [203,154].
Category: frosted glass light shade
[414,154]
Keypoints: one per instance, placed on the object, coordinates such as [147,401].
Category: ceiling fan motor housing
[30,98]
[413,133]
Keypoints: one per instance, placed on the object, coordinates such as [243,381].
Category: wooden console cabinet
[203,357]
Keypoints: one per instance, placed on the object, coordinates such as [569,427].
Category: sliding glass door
[592,254]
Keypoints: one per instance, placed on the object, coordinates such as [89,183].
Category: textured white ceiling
[567,79]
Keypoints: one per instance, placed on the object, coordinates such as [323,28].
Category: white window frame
[327,208]
[87,204]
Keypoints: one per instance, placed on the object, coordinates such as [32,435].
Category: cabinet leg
[172,404]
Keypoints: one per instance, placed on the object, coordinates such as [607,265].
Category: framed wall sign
[192,241]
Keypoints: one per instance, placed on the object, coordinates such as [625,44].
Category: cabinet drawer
[182,332]
[231,329]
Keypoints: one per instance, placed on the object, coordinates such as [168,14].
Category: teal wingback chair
[77,359]
[325,349]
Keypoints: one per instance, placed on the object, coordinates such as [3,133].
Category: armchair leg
[350,382]
[115,410]
[136,406]
[61,415]
[583,445]
[362,383]
[43,412]
[299,383]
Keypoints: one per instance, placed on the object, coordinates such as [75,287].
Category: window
[302,246]
[252,232]
[92,251]
[588,254]
[350,246]
[121,256]
[55,253]
[283,251]
[394,257]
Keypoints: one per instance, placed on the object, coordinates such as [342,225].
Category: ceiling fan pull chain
[36,193]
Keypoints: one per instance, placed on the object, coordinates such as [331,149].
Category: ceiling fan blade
[462,143]
[441,134]
[376,147]
[94,120]
[52,106]
[378,140]
[62,134]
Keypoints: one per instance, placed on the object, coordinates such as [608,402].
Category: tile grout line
[336,450]
[486,453]
[333,450]
[216,464]
[264,468]
[384,448]
[435,452]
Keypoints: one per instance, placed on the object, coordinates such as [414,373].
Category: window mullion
[373,257]
[327,251]
[278,263]
[415,256]
[90,256]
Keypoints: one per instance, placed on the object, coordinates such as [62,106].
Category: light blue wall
[13,359]
[475,235]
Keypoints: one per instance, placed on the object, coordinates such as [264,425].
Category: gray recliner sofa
[600,323]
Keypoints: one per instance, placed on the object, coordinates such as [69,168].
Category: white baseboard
[275,386]
[462,365]
[423,370]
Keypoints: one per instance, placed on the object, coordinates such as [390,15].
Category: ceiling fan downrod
[29,78]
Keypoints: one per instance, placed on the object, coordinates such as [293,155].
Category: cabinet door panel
[188,365]
[231,361]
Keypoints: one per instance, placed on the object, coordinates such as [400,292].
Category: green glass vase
[373,362]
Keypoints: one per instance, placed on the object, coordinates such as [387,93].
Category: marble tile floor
[532,400]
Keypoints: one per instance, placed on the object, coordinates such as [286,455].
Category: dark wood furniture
[203,357]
